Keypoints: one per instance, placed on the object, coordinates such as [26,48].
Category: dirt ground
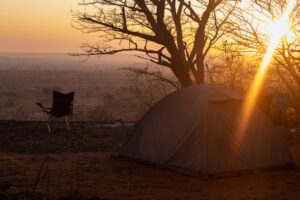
[82,161]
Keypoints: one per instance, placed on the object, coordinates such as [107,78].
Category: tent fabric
[194,129]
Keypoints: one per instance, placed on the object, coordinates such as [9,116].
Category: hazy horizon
[64,61]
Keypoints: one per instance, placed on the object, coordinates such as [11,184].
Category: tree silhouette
[248,34]
[177,34]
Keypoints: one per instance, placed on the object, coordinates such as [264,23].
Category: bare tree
[250,34]
[153,75]
[145,87]
[177,34]
[230,68]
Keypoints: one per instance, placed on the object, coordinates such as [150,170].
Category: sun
[280,27]
[277,31]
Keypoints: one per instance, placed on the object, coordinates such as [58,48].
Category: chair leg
[48,126]
[67,123]
[48,120]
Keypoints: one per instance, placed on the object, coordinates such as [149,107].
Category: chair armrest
[41,106]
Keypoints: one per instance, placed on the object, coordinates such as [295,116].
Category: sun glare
[277,30]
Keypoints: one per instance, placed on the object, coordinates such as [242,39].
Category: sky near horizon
[39,26]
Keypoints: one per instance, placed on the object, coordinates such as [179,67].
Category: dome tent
[193,130]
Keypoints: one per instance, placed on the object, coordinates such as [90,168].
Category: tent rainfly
[193,130]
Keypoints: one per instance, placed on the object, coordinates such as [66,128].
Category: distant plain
[27,78]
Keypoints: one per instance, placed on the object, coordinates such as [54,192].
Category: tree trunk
[199,74]
[181,71]
[183,77]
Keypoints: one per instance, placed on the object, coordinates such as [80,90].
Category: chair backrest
[62,104]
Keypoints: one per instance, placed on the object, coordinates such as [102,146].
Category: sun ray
[280,29]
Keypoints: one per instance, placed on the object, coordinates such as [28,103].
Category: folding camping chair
[62,106]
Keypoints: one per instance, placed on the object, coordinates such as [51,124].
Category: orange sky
[39,26]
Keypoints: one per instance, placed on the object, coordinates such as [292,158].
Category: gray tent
[192,130]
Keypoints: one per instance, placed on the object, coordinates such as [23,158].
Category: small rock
[3,197]
[4,186]
[95,198]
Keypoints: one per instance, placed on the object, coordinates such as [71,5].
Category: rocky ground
[24,137]
[35,164]
[32,138]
